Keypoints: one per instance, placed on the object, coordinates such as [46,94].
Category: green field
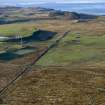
[23,29]
[76,49]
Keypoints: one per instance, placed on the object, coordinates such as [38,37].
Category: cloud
[49,1]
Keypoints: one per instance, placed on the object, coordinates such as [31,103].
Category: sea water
[87,8]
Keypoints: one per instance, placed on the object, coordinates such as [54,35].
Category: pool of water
[24,51]
[10,55]
[6,56]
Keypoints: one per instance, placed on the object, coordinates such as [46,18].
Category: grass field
[76,49]
[23,29]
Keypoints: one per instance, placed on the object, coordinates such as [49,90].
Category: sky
[49,1]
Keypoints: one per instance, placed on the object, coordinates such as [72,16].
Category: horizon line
[29,3]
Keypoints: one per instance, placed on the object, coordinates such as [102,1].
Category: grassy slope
[24,29]
[74,49]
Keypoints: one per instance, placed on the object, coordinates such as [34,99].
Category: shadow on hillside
[87,16]
[40,35]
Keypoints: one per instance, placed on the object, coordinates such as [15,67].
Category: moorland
[71,72]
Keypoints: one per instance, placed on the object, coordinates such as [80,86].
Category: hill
[19,14]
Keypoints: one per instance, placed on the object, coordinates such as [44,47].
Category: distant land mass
[88,8]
